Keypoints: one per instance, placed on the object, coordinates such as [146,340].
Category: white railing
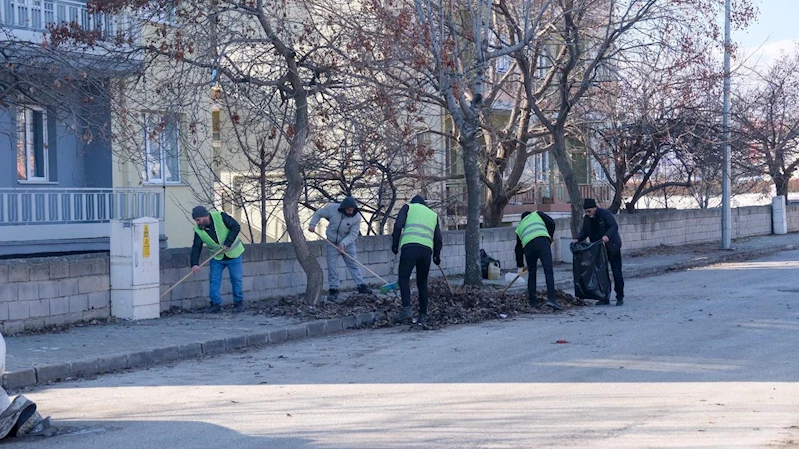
[39,15]
[52,214]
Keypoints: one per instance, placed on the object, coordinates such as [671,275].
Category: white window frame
[25,115]
[161,144]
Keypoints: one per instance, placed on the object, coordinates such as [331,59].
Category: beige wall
[133,98]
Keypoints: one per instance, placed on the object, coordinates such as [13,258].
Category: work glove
[437,260]
[394,250]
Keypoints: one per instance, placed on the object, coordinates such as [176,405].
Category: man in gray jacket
[343,228]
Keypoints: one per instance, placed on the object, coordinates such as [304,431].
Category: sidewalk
[88,350]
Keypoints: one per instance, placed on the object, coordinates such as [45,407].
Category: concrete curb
[41,375]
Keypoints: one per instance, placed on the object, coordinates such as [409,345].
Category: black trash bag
[485,261]
[590,265]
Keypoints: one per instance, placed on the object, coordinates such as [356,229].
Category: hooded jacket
[341,229]
[400,224]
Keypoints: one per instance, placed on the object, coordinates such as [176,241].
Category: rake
[387,287]
[191,272]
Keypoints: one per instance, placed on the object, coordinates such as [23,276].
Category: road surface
[699,359]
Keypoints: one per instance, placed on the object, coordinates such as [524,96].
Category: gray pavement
[699,359]
[88,350]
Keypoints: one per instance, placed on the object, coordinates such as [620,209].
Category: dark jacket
[438,240]
[603,224]
[234,229]
[548,222]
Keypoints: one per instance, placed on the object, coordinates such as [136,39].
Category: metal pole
[726,239]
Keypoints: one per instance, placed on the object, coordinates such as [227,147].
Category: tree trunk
[781,185]
[618,193]
[564,166]
[471,168]
[291,201]
[494,211]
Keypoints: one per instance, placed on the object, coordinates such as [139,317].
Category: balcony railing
[603,193]
[28,214]
[39,15]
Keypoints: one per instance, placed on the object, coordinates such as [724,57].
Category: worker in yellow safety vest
[533,242]
[219,231]
[416,231]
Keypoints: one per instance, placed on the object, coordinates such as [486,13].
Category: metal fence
[75,207]
[39,15]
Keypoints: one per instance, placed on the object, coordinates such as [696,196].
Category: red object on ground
[560,342]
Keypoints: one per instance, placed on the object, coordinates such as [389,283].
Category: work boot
[238,307]
[332,295]
[363,289]
[603,302]
[404,315]
[422,321]
[554,304]
[213,308]
[620,301]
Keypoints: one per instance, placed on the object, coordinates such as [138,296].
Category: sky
[775,30]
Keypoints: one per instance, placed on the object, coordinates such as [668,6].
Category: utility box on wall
[135,269]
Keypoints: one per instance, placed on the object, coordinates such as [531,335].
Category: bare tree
[595,38]
[766,114]
[447,49]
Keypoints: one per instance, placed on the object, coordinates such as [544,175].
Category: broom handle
[514,280]
[353,259]
[445,278]
[191,272]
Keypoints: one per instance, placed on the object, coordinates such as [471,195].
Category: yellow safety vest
[420,226]
[532,226]
[236,250]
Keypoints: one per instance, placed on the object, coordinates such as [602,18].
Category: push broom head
[390,287]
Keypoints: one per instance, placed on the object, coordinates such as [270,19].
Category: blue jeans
[236,271]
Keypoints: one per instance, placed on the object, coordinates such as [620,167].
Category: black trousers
[418,256]
[536,249]
[614,259]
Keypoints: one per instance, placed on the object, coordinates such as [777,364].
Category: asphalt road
[699,359]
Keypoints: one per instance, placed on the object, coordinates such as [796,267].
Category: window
[216,127]
[543,64]
[162,148]
[32,155]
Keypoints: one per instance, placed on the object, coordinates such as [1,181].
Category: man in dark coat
[600,224]
[533,240]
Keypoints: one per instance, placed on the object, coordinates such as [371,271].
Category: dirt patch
[466,305]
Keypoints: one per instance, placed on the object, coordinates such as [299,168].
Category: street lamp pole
[726,239]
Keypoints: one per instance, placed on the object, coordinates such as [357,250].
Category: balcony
[45,220]
[29,20]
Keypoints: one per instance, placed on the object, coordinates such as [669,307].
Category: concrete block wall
[646,230]
[47,291]
[792,212]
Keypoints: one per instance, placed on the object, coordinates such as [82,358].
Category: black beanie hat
[199,211]
[589,203]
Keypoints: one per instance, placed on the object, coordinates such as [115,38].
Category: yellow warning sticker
[146,242]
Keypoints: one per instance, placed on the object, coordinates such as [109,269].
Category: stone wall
[47,291]
[792,211]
